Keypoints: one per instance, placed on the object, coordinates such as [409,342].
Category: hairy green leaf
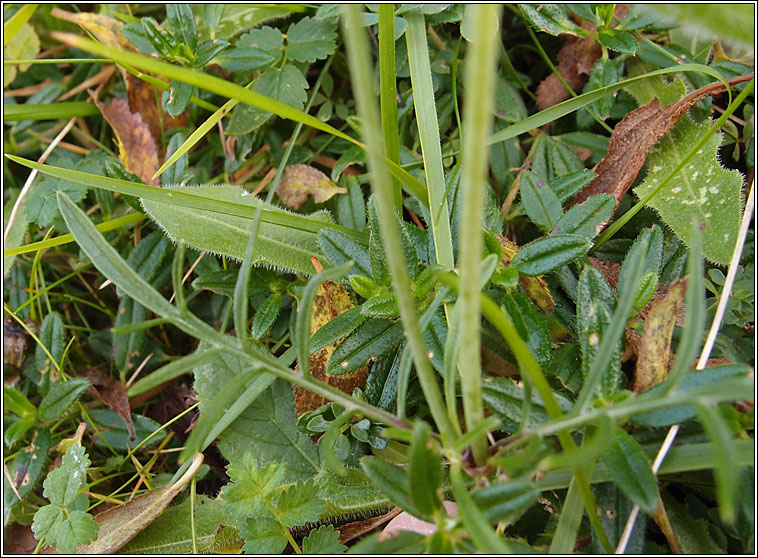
[61,396]
[632,471]
[324,540]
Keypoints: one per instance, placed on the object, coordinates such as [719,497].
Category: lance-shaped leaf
[632,471]
[374,339]
[539,201]
[276,245]
[549,253]
[425,470]
[60,397]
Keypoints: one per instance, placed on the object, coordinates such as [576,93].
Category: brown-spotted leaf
[113,393]
[299,181]
[535,287]
[632,139]
[331,300]
[654,352]
[120,524]
[136,144]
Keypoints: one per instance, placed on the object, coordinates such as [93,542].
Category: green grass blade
[187,199]
[201,80]
[17,21]
[360,74]
[50,111]
[197,135]
[480,69]
[429,135]
[388,96]
[567,107]
[106,226]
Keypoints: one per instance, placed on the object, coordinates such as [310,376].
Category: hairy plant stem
[360,65]
[480,69]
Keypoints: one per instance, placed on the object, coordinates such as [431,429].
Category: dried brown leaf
[330,301]
[299,181]
[633,137]
[137,148]
[113,393]
[576,59]
[654,352]
[120,524]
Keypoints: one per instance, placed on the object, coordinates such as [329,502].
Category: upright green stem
[360,72]
[388,97]
[429,135]
[480,69]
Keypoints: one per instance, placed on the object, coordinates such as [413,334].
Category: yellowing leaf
[299,181]
[136,145]
[655,348]
[23,46]
[106,29]
[331,300]
[535,287]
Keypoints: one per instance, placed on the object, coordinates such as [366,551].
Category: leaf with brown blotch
[330,301]
[136,145]
[350,531]
[299,181]
[654,352]
[120,524]
[535,287]
[633,137]
[113,393]
[575,61]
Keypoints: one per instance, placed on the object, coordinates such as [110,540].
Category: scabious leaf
[266,315]
[310,39]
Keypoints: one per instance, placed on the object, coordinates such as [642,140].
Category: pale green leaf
[310,39]
[23,46]
[251,485]
[299,503]
[263,535]
[324,540]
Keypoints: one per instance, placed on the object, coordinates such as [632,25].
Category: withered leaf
[142,96]
[136,145]
[299,181]
[575,61]
[654,352]
[330,301]
[120,524]
[113,393]
[353,530]
[633,137]
[535,287]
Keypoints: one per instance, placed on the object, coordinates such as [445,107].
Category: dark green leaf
[383,305]
[509,106]
[41,204]
[537,335]
[505,398]
[550,18]
[26,469]
[336,329]
[208,51]
[586,219]
[60,397]
[505,501]
[183,23]
[364,286]
[392,481]
[223,281]
[371,341]
[653,258]
[310,39]
[425,470]
[569,184]
[16,402]
[548,254]
[539,201]
[127,347]
[164,43]
[632,471]
[380,270]
[266,315]
[618,40]
[176,99]
[351,208]
[51,335]
[339,249]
